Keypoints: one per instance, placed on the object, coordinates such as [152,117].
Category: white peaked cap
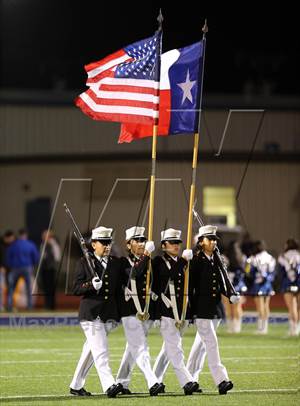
[135,232]
[205,231]
[170,235]
[102,233]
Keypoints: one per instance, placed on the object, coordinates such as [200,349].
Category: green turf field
[37,363]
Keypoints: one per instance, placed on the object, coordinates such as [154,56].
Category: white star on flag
[186,87]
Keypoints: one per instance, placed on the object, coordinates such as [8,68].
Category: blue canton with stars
[145,64]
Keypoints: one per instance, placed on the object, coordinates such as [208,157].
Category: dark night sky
[46,43]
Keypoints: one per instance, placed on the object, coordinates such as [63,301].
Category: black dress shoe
[224,387]
[156,389]
[163,386]
[80,392]
[199,390]
[190,387]
[113,390]
[125,391]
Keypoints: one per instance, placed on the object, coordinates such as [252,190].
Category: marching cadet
[260,275]
[169,283]
[98,312]
[136,318]
[289,272]
[197,355]
[209,279]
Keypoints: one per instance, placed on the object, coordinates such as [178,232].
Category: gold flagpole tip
[205,27]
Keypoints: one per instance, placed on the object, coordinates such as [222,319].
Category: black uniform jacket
[207,285]
[139,272]
[103,304]
[162,275]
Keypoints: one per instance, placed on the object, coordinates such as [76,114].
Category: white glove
[234,299]
[97,283]
[149,246]
[187,255]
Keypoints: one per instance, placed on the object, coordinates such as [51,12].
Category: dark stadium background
[45,44]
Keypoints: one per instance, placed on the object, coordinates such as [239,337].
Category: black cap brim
[137,237]
[209,235]
[174,241]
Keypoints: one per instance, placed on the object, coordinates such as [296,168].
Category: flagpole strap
[127,294]
[166,300]
[172,302]
[136,298]
[133,294]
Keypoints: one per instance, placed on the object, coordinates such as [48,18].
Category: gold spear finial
[205,27]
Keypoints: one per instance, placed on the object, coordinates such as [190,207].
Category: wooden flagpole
[192,191]
[152,183]
[145,315]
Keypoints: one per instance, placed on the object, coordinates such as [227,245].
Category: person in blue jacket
[21,258]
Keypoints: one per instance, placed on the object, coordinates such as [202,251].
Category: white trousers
[197,354]
[195,360]
[128,362]
[95,350]
[162,362]
[136,351]
[173,348]
[208,335]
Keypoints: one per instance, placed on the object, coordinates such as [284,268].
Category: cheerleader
[289,273]
[260,275]
[236,266]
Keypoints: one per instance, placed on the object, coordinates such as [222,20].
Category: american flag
[124,86]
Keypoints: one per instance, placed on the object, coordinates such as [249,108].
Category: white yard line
[60,361]
[158,347]
[260,358]
[35,350]
[80,340]
[267,390]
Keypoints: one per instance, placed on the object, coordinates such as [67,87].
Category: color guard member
[208,281]
[135,320]
[98,312]
[169,283]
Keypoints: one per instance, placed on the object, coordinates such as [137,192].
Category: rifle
[82,243]
[223,268]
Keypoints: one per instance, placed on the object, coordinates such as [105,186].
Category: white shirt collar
[102,260]
[210,258]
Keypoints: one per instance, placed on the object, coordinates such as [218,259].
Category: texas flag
[180,90]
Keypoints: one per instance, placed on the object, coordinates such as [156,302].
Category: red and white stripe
[133,131]
[118,99]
